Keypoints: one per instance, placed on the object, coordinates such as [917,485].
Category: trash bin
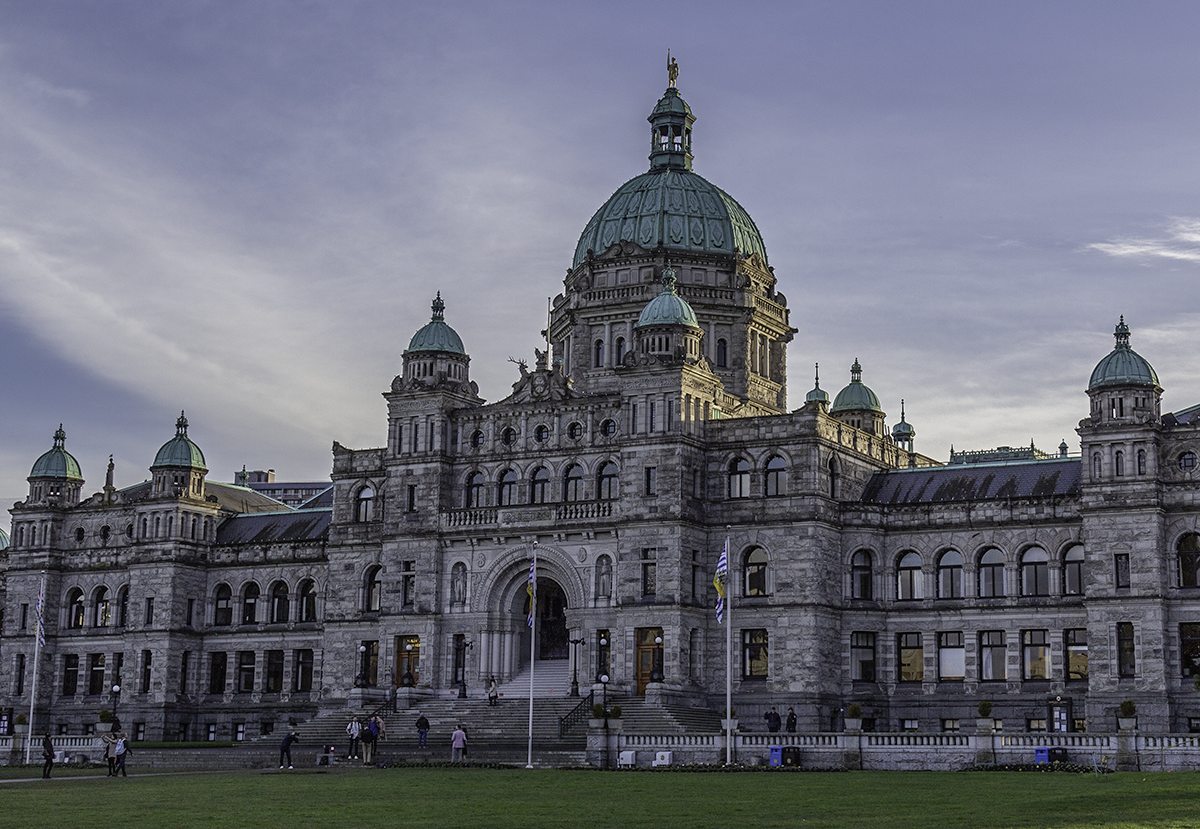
[1041,755]
[1058,755]
[776,755]
[791,755]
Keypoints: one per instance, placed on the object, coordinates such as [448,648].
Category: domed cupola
[435,354]
[856,405]
[55,477]
[179,467]
[667,328]
[903,433]
[1124,386]
[817,395]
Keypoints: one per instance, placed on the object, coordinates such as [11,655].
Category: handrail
[577,714]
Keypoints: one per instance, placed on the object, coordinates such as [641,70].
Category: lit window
[754,654]
[1035,655]
[911,657]
[1075,640]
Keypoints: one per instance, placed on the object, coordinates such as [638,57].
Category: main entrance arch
[550,627]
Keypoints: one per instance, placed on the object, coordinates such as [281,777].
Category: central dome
[671,206]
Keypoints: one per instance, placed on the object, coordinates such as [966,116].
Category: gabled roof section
[238,499]
[1183,417]
[276,527]
[322,500]
[976,482]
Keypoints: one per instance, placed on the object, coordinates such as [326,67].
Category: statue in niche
[604,577]
[458,584]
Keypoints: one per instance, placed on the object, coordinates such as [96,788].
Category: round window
[575,430]
[1187,461]
[541,433]
[608,428]
[477,438]
[509,437]
[79,534]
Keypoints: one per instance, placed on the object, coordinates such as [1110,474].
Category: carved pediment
[622,249]
[540,385]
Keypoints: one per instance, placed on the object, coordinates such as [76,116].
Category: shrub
[985,708]
[20,719]
[1128,708]
[615,712]
[854,712]
[597,711]
[105,715]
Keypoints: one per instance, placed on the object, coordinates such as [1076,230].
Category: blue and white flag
[720,580]
[40,610]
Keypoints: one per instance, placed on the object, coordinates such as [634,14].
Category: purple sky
[242,209]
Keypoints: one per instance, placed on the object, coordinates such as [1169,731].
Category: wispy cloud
[1182,242]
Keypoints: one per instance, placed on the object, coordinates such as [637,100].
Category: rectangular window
[239,732]
[1121,568]
[754,654]
[273,680]
[910,725]
[19,684]
[303,659]
[952,657]
[185,662]
[139,731]
[149,611]
[633,418]
[147,660]
[1126,660]
[652,417]
[211,732]
[862,657]
[1035,654]
[1036,725]
[649,572]
[408,582]
[96,673]
[911,657]
[951,726]
[698,580]
[24,617]
[70,674]
[651,487]
[412,497]
[992,656]
[245,676]
[218,666]
[1189,649]
[1075,641]
[191,609]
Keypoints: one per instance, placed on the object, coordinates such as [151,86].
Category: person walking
[422,729]
[110,752]
[493,691]
[353,728]
[285,747]
[458,744]
[47,756]
[121,749]
[791,722]
[772,718]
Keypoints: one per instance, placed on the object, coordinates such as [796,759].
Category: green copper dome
[435,335]
[668,308]
[58,462]
[856,397]
[671,206]
[179,450]
[3,540]
[903,430]
[818,394]
[1123,366]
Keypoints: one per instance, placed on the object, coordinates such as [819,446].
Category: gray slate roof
[1183,417]
[273,527]
[974,482]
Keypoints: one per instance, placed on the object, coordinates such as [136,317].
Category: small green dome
[180,451]
[856,397]
[818,394]
[903,430]
[3,540]
[58,462]
[435,335]
[668,308]
[1123,366]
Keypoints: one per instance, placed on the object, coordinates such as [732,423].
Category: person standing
[110,752]
[121,749]
[367,735]
[791,721]
[493,691]
[458,744]
[47,756]
[285,747]
[422,729]
[353,728]
[773,721]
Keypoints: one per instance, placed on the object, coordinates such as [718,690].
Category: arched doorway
[551,630]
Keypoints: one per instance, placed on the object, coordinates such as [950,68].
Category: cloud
[1182,242]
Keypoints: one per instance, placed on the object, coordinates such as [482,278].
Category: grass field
[497,799]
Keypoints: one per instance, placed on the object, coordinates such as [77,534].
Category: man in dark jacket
[285,748]
[422,729]
[47,755]
[773,721]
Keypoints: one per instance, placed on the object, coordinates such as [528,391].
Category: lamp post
[575,669]
[462,646]
[116,721]
[360,679]
[604,705]
[656,674]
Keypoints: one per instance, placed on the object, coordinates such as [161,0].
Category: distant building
[651,433]
[292,493]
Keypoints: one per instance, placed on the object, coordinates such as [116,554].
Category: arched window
[861,576]
[598,353]
[223,606]
[373,588]
[604,577]
[101,609]
[722,354]
[606,481]
[775,476]
[833,478]
[539,485]
[279,602]
[1096,466]
[909,585]
[739,478]
[123,606]
[364,504]
[75,609]
[620,355]
[1073,571]
[250,604]
[573,483]
[308,601]
[754,565]
[473,494]
[950,568]
[991,574]
[1141,462]
[1035,572]
[506,488]
[1119,464]
[1188,548]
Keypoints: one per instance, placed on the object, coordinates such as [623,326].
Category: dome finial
[181,425]
[817,395]
[439,308]
[60,437]
[668,278]
[901,409]
[1122,333]
[672,70]
[856,372]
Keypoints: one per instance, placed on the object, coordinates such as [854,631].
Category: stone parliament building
[652,428]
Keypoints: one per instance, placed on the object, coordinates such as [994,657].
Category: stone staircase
[551,678]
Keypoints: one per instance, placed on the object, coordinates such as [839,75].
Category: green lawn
[496,799]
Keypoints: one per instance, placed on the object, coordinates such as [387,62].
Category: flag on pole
[40,608]
[531,588]
[720,580]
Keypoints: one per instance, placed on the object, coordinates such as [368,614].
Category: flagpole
[728,662]
[532,643]
[39,636]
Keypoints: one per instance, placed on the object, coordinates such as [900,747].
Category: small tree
[985,708]
[105,715]
[854,712]
[1128,709]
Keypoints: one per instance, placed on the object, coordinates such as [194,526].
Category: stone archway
[552,621]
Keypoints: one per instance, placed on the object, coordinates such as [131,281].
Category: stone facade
[651,432]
